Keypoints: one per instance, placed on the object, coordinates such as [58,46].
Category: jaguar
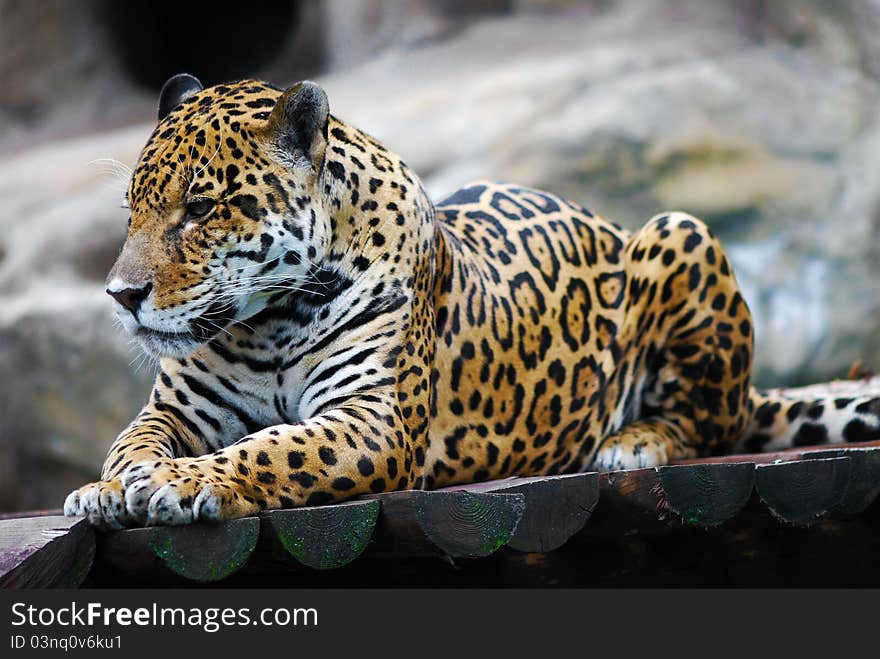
[324,330]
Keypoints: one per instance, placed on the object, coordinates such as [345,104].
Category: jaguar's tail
[828,413]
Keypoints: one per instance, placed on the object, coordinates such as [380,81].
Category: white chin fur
[158,346]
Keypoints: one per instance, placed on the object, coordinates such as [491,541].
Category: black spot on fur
[859,431]
[810,434]
[365,466]
[327,455]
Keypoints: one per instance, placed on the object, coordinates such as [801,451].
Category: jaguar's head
[226,210]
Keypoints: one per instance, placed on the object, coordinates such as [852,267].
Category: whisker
[257,265]
[243,324]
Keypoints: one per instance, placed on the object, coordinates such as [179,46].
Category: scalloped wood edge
[326,537]
[458,523]
[199,552]
[864,479]
[556,507]
[802,492]
[707,494]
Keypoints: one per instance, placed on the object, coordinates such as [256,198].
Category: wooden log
[556,507]
[457,524]
[325,537]
[707,494]
[198,552]
[804,491]
[630,502]
[864,477]
[54,512]
[786,455]
[45,551]
[659,500]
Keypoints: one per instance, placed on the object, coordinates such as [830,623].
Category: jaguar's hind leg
[690,333]
[647,443]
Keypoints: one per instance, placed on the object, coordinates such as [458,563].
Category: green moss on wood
[468,525]
[327,537]
[205,552]
[707,494]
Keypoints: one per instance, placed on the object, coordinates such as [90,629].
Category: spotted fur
[326,331]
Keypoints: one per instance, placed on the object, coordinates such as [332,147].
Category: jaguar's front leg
[155,436]
[357,448]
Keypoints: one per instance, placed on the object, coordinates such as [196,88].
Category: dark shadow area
[216,40]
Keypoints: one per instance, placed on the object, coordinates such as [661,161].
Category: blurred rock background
[760,116]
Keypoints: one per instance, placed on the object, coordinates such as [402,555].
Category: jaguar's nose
[131,298]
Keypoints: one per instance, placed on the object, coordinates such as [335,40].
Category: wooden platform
[808,517]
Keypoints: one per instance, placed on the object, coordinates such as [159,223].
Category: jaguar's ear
[298,123]
[175,91]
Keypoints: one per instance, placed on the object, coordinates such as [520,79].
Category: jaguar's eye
[199,208]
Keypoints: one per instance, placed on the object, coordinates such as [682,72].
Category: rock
[358,29]
[760,118]
[56,72]
[69,379]
[69,383]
